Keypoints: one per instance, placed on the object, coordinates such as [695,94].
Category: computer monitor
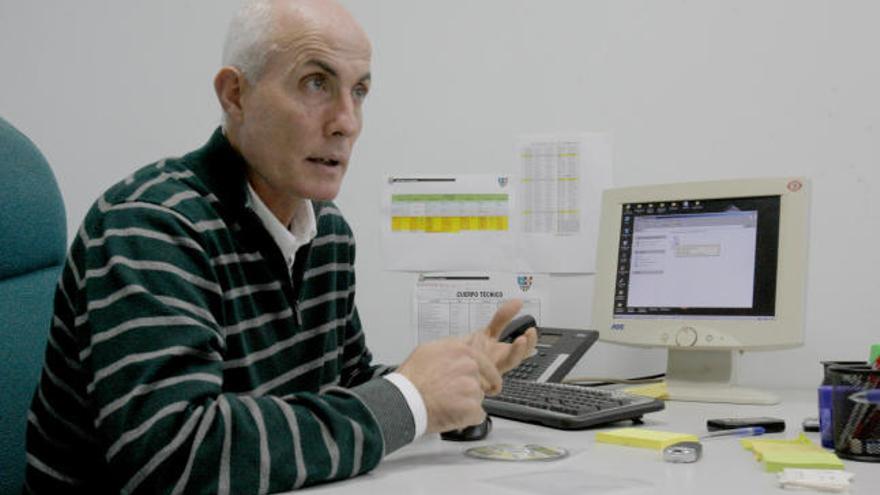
[704,269]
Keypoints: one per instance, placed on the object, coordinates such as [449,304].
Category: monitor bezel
[783,330]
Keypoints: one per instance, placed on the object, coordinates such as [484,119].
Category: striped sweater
[182,358]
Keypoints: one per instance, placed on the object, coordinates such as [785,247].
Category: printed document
[540,215]
[561,180]
[444,223]
[448,304]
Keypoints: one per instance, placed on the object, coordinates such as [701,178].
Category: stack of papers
[798,452]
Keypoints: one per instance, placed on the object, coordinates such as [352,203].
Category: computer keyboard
[565,406]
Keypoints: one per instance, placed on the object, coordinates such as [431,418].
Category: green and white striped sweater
[182,359]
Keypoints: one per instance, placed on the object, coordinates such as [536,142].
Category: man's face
[300,119]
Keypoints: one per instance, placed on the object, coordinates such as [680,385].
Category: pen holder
[826,422]
[856,414]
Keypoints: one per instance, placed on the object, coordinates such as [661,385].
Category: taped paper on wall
[448,222]
[448,304]
[540,215]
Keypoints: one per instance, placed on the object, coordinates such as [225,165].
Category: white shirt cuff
[413,400]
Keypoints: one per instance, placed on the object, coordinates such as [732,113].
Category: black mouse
[469,433]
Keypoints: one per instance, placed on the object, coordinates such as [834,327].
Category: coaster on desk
[508,452]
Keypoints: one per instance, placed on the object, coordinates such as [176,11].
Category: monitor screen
[703,269]
[697,258]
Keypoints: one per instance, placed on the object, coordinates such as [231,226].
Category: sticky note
[758,445]
[776,461]
[798,452]
[652,390]
[641,437]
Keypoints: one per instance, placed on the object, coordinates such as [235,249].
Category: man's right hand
[448,375]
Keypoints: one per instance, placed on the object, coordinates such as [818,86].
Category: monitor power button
[686,337]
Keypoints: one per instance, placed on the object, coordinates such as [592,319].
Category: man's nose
[345,117]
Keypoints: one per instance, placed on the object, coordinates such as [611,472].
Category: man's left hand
[505,356]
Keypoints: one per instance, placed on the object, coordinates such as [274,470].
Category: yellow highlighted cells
[449,213]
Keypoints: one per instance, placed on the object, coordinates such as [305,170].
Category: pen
[871,396]
[751,431]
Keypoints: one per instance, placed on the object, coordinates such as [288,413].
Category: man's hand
[448,374]
[453,375]
[504,356]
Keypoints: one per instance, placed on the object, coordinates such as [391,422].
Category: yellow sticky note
[777,460]
[798,452]
[757,445]
[641,437]
[652,390]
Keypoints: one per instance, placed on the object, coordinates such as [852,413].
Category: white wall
[691,90]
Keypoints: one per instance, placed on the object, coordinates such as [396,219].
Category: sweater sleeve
[357,367]
[155,349]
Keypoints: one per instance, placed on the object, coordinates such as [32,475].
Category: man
[205,336]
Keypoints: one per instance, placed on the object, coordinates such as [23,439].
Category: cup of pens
[856,411]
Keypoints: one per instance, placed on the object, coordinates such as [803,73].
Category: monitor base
[709,376]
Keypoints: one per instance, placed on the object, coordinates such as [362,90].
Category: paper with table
[446,305]
[446,222]
[540,215]
[558,200]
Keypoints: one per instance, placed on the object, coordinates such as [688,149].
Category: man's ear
[229,84]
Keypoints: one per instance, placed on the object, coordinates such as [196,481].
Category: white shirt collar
[302,229]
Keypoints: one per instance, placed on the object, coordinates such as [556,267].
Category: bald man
[205,336]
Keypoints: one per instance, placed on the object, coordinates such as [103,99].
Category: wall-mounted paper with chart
[450,304]
[559,195]
[446,222]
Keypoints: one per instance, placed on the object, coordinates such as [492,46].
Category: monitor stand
[708,376]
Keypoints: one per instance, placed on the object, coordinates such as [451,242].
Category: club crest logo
[524,282]
[502,181]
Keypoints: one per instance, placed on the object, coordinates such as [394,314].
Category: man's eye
[360,92]
[316,82]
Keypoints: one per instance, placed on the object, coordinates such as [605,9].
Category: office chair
[33,241]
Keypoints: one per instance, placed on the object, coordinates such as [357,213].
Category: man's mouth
[323,161]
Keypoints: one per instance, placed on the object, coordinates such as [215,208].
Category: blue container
[826,418]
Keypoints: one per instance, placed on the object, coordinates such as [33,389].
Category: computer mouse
[470,433]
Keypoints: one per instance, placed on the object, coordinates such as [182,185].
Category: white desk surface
[434,466]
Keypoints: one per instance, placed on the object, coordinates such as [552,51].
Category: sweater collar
[223,171]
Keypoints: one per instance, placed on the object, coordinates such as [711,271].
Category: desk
[434,466]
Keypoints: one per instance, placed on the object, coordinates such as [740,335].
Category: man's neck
[283,209]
